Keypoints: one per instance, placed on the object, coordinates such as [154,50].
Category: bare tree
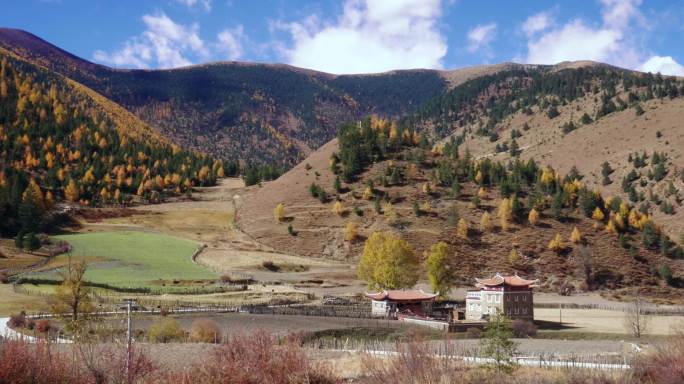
[636,320]
[585,263]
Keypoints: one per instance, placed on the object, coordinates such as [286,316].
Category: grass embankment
[130,259]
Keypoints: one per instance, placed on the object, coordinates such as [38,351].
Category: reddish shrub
[523,328]
[21,362]
[665,365]
[43,326]
[4,279]
[256,358]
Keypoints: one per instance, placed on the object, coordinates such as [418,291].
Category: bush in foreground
[256,358]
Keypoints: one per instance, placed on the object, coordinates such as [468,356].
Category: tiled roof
[402,295]
[514,281]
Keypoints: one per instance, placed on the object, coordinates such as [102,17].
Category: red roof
[513,281]
[402,295]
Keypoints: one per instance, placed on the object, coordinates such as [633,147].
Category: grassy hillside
[621,129]
[64,142]
[426,195]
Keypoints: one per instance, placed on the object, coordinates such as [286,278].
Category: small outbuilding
[390,303]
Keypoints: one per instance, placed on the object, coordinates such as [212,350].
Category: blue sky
[352,36]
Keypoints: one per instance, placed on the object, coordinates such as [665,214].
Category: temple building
[407,302]
[509,295]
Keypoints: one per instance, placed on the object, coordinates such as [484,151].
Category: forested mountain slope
[64,142]
[251,112]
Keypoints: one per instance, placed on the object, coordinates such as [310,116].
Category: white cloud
[481,36]
[537,23]
[230,42]
[164,44]
[609,42]
[369,36]
[666,65]
[206,4]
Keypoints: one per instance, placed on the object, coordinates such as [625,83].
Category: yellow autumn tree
[426,207]
[390,215]
[513,257]
[338,208]
[71,192]
[556,244]
[533,217]
[350,231]
[462,229]
[482,193]
[505,213]
[367,193]
[485,222]
[598,214]
[279,212]
[388,262]
[438,271]
[610,227]
[478,177]
[576,236]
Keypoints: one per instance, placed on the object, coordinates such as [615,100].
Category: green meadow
[130,259]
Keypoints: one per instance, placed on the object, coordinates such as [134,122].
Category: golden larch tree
[504,213]
[557,244]
[338,208]
[279,212]
[388,262]
[576,236]
[485,222]
[462,229]
[533,216]
[350,231]
[71,192]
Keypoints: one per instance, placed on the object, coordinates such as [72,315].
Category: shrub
[205,331]
[226,279]
[523,328]
[165,330]
[664,365]
[270,266]
[30,324]
[43,326]
[4,279]
[256,358]
[17,321]
[473,333]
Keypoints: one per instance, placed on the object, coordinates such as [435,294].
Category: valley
[240,204]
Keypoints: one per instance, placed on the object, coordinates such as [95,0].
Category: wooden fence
[647,309]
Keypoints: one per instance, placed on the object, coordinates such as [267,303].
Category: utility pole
[129,304]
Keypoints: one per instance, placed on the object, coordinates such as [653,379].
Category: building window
[516,311]
[524,311]
[516,297]
[525,298]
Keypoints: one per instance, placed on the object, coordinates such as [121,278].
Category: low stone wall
[434,324]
